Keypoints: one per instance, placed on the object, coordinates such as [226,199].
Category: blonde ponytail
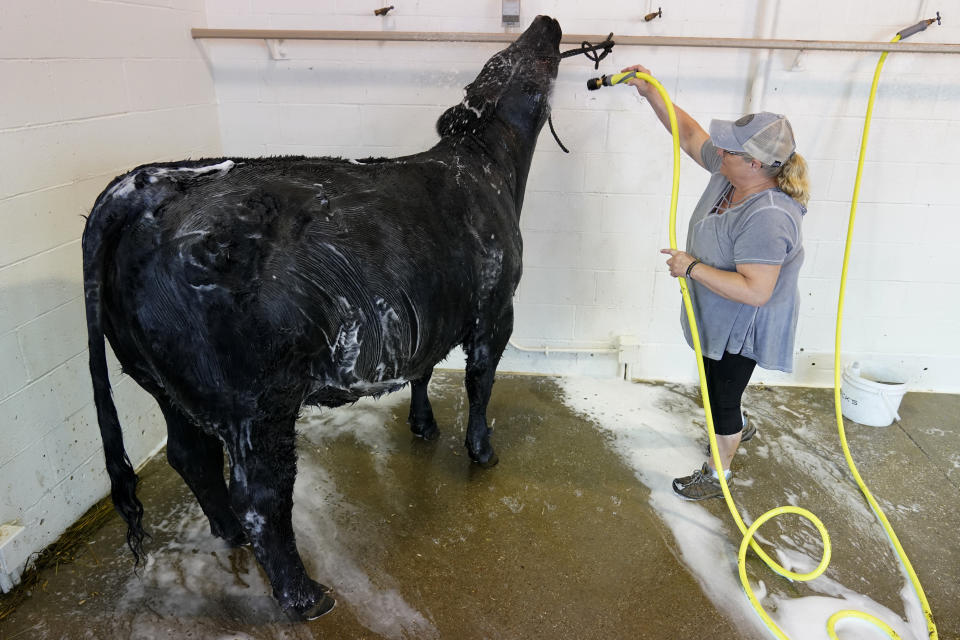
[792,179]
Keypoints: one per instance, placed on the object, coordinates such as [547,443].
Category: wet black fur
[235,296]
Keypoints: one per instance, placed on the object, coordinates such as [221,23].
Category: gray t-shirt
[763,229]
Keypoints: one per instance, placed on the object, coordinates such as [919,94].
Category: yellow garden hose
[931,627]
[748,533]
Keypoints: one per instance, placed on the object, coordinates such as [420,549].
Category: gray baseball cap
[766,136]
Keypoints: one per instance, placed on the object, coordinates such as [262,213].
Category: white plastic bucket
[871,394]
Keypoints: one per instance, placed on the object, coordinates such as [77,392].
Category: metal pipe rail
[648,41]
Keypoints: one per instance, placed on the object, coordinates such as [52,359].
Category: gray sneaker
[749,430]
[700,485]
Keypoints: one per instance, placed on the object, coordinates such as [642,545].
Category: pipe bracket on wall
[797,64]
[276,49]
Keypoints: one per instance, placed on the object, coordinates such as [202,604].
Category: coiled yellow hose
[748,533]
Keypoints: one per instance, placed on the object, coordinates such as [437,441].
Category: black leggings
[727,379]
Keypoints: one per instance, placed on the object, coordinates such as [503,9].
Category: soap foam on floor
[655,430]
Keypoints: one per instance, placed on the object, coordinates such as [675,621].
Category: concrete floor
[575,534]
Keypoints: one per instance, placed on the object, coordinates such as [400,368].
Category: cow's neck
[511,146]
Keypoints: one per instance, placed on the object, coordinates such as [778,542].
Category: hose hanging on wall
[931,627]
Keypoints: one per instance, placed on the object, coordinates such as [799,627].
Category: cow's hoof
[428,431]
[234,538]
[323,604]
[322,607]
[240,540]
[488,462]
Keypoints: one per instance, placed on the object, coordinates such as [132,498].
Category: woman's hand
[644,88]
[678,262]
[751,283]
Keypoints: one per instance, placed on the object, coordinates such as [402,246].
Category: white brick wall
[90,89]
[594,219]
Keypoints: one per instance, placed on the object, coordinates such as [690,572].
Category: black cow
[237,290]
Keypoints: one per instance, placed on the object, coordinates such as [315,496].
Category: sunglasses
[741,154]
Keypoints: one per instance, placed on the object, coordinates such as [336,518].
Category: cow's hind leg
[484,349]
[198,458]
[263,469]
[421,419]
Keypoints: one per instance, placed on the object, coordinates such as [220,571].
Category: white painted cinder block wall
[594,219]
[89,89]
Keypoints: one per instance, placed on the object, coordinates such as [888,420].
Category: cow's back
[280,273]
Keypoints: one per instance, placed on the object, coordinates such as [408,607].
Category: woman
[743,258]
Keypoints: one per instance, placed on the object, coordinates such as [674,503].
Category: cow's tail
[99,237]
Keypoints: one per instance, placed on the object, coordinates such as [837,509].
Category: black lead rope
[555,137]
[589,50]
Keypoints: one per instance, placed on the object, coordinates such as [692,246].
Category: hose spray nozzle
[920,26]
[608,81]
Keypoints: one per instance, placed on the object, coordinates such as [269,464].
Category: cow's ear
[466,117]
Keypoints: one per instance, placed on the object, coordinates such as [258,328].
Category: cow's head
[515,83]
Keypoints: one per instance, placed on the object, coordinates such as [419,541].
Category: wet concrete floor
[575,534]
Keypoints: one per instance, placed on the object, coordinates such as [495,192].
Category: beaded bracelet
[691,266]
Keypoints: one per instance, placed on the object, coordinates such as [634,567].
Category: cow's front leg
[484,349]
[263,469]
[421,419]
